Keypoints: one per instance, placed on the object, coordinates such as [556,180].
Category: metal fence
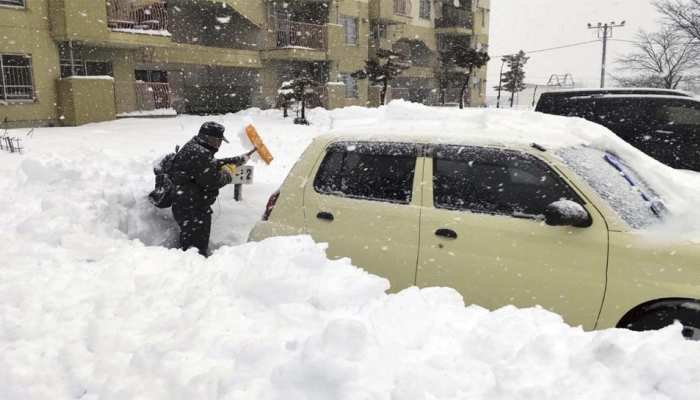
[290,33]
[152,96]
[124,14]
[16,82]
[11,144]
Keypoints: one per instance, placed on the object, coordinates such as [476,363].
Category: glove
[230,169]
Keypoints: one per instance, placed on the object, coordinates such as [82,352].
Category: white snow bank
[277,320]
[91,308]
[170,112]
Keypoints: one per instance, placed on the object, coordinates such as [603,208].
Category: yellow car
[520,225]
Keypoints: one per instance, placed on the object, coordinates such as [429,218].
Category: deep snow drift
[92,308]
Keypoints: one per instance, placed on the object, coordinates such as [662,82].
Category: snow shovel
[255,139]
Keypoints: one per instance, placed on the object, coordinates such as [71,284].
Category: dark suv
[665,124]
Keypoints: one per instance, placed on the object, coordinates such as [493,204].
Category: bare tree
[683,14]
[661,59]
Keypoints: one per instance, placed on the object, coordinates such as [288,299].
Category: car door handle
[325,215]
[446,233]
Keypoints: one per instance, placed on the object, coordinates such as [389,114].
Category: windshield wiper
[656,205]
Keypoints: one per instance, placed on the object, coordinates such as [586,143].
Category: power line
[556,48]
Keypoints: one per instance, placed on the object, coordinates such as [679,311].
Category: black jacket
[197,175]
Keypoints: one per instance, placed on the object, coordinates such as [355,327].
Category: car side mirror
[567,213]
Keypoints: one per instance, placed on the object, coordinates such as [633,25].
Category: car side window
[380,172]
[495,181]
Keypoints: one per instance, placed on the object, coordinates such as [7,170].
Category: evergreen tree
[468,58]
[299,89]
[383,69]
[513,80]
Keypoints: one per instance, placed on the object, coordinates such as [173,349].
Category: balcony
[127,16]
[293,40]
[454,18]
[292,34]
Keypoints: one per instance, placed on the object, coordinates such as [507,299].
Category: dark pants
[195,227]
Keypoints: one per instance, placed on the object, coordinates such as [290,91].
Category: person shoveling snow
[197,177]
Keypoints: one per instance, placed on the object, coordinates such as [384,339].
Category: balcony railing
[402,7]
[152,96]
[125,15]
[453,17]
[292,34]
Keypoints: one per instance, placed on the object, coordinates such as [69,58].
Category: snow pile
[276,320]
[94,305]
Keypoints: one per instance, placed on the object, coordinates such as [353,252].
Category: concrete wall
[84,20]
[347,58]
[27,31]
[82,100]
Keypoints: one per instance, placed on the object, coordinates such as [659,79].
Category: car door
[480,234]
[630,118]
[363,204]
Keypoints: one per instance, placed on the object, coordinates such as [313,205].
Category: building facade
[70,62]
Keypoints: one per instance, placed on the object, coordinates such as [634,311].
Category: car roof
[415,123]
[613,91]
[633,96]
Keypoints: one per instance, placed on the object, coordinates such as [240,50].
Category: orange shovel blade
[255,139]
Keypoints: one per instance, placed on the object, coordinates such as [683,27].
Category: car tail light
[270,205]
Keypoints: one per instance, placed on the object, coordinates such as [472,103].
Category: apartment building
[71,62]
[423,29]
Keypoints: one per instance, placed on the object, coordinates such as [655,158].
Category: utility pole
[500,85]
[605,32]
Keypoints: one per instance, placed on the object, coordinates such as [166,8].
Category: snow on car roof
[417,123]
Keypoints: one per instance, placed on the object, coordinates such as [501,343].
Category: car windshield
[617,183]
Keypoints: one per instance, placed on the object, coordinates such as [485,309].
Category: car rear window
[369,171]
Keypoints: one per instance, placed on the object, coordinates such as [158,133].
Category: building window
[402,7]
[350,25]
[378,30]
[16,81]
[152,76]
[425,9]
[351,90]
[85,68]
[18,3]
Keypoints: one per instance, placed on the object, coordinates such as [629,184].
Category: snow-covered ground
[94,303]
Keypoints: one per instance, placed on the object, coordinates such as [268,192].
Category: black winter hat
[212,129]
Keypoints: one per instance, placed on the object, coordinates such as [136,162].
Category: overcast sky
[540,24]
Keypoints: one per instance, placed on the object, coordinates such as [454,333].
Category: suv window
[495,181]
[680,114]
[370,171]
